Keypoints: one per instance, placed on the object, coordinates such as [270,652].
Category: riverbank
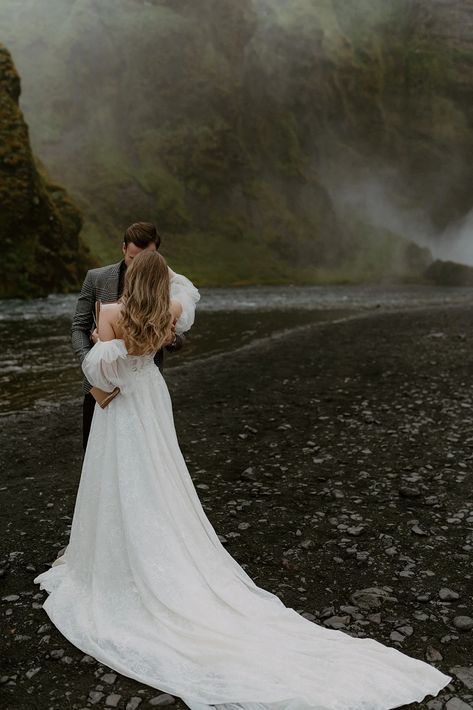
[330,460]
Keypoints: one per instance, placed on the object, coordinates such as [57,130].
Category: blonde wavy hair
[145,316]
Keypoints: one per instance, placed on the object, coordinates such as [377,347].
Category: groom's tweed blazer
[102,284]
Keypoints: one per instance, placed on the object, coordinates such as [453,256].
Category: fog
[40,35]
[456,243]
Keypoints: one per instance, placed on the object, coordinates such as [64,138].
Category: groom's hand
[94,336]
[172,336]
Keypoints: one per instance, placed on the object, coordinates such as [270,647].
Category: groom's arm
[83,320]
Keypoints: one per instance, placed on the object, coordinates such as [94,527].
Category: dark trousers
[87,414]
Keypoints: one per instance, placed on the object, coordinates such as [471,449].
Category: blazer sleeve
[179,343]
[83,320]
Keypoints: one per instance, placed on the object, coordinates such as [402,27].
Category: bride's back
[108,326]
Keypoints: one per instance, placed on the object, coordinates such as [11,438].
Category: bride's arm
[176,309]
[100,366]
[185,292]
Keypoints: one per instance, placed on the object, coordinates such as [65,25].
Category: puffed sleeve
[185,292]
[101,364]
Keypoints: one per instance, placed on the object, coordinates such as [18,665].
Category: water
[38,368]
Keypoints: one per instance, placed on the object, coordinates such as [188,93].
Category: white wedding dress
[146,587]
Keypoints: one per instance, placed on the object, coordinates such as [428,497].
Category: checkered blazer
[100,285]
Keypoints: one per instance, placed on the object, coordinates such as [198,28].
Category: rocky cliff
[39,226]
[271,141]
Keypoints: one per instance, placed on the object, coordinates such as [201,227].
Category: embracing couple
[145,586]
[106,285]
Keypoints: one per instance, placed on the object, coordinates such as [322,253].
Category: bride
[145,585]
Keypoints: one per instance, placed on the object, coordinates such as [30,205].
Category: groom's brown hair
[142,234]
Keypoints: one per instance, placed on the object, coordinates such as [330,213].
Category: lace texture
[146,587]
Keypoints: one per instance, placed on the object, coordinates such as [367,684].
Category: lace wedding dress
[146,587]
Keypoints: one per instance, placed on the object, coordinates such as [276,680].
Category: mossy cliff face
[39,226]
[405,109]
[272,141]
[150,114]
[383,94]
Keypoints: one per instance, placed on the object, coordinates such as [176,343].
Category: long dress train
[146,587]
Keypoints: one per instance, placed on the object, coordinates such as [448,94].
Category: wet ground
[37,364]
[330,460]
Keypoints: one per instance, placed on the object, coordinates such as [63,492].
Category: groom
[106,284]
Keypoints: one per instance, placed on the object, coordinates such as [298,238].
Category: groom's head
[140,236]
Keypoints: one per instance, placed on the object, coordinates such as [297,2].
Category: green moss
[426,69]
[39,225]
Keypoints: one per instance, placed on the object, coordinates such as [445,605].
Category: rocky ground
[332,461]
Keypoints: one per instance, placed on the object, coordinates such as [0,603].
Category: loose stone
[370,597]
[425,597]
[465,674]
[375,618]
[249,474]
[406,630]
[95,696]
[112,700]
[109,678]
[432,655]
[163,699]
[463,623]
[435,705]
[421,616]
[418,531]
[307,615]
[447,595]
[457,704]
[337,622]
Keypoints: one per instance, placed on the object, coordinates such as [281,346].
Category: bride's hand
[176,310]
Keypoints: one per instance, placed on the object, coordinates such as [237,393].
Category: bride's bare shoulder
[110,311]
[109,314]
[111,307]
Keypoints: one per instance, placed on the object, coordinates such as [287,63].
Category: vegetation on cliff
[39,225]
[272,142]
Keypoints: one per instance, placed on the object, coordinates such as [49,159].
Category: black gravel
[329,461]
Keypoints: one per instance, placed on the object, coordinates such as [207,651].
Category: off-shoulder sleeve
[185,292]
[100,365]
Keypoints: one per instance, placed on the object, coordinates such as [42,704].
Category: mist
[456,243]
[270,121]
